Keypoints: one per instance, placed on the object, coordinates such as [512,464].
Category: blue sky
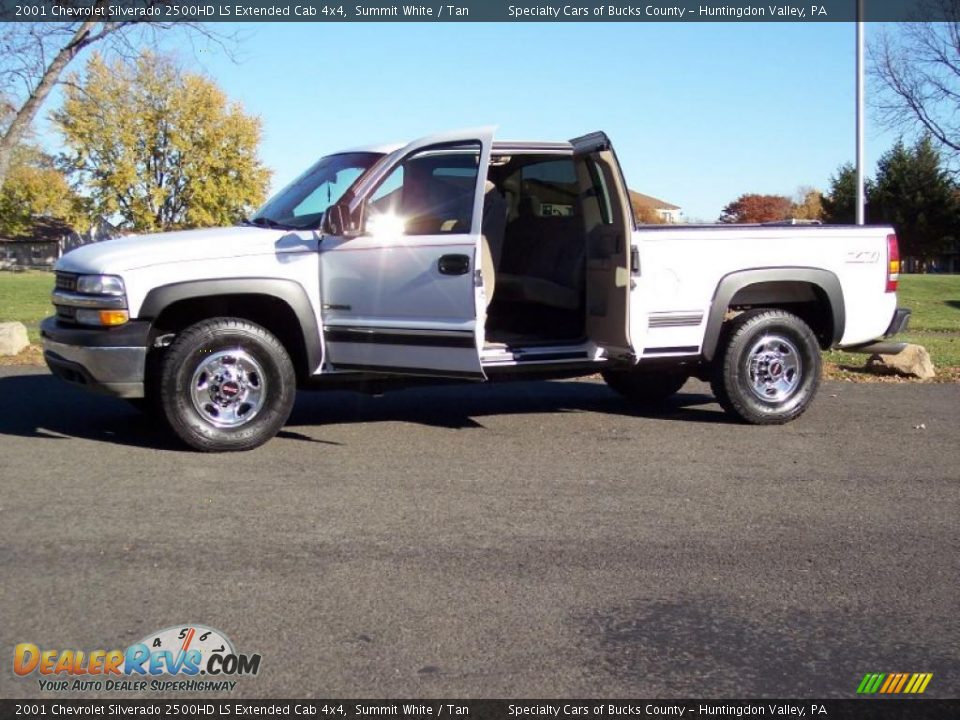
[699,113]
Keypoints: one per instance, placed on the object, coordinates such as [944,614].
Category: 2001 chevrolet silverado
[456,256]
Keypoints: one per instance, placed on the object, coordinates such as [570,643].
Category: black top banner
[477,11]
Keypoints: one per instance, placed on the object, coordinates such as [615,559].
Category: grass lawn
[935,322]
[934,299]
[25,296]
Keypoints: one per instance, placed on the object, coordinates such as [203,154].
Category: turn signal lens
[114,317]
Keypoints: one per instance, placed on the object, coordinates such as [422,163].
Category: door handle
[453,265]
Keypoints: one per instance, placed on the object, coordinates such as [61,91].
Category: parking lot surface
[507,541]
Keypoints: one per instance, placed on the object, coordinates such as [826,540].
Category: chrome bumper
[88,361]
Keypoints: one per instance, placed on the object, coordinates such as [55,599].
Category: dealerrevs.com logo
[188,657]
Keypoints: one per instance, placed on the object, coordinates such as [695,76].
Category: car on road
[460,258]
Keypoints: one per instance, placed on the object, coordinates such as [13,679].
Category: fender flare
[732,283]
[288,291]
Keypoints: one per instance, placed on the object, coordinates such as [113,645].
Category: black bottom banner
[873,709]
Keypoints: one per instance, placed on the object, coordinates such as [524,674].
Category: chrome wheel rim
[774,368]
[228,388]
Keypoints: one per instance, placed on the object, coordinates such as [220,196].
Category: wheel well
[270,312]
[806,300]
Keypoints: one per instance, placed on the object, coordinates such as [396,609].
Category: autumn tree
[160,147]
[34,56]
[35,189]
[807,204]
[753,208]
[916,194]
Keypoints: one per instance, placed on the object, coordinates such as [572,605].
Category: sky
[698,113]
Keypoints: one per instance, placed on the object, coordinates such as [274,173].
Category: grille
[66,281]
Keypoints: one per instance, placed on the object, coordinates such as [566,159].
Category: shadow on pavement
[710,642]
[42,406]
[464,406]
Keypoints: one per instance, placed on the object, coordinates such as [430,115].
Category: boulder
[912,361]
[13,338]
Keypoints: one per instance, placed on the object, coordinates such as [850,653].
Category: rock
[913,361]
[13,338]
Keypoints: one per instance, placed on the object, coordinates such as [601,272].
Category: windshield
[301,204]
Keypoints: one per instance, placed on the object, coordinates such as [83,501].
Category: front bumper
[109,360]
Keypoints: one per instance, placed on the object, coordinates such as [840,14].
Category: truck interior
[545,215]
[533,224]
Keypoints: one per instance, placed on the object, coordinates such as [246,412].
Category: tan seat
[544,262]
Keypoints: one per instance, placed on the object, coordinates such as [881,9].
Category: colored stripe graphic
[889,682]
[894,683]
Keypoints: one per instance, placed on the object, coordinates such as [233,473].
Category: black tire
[768,367]
[645,388]
[212,371]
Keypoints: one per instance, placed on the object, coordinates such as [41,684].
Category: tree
[840,202]
[160,147]
[915,193]
[753,208]
[918,70]
[807,204]
[35,189]
[33,56]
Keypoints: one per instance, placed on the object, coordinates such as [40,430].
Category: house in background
[47,241]
[648,209]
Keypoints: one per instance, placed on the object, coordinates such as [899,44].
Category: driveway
[525,540]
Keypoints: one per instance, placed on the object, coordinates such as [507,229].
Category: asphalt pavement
[507,541]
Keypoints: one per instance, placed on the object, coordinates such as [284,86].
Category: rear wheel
[768,369]
[227,384]
[645,388]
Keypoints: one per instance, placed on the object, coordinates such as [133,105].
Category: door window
[430,193]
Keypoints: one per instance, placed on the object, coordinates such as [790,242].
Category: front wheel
[227,384]
[768,369]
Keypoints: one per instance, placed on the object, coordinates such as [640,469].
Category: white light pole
[861,199]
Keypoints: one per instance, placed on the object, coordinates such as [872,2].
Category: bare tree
[918,68]
[33,57]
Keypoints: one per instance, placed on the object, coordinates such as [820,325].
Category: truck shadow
[39,405]
[42,406]
[463,406]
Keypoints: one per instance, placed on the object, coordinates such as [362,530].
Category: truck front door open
[400,289]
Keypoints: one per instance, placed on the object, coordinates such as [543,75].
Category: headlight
[100,285]
[98,300]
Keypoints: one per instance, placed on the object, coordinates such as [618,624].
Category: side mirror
[333,221]
[337,220]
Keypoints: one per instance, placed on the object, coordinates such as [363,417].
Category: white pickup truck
[460,257]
